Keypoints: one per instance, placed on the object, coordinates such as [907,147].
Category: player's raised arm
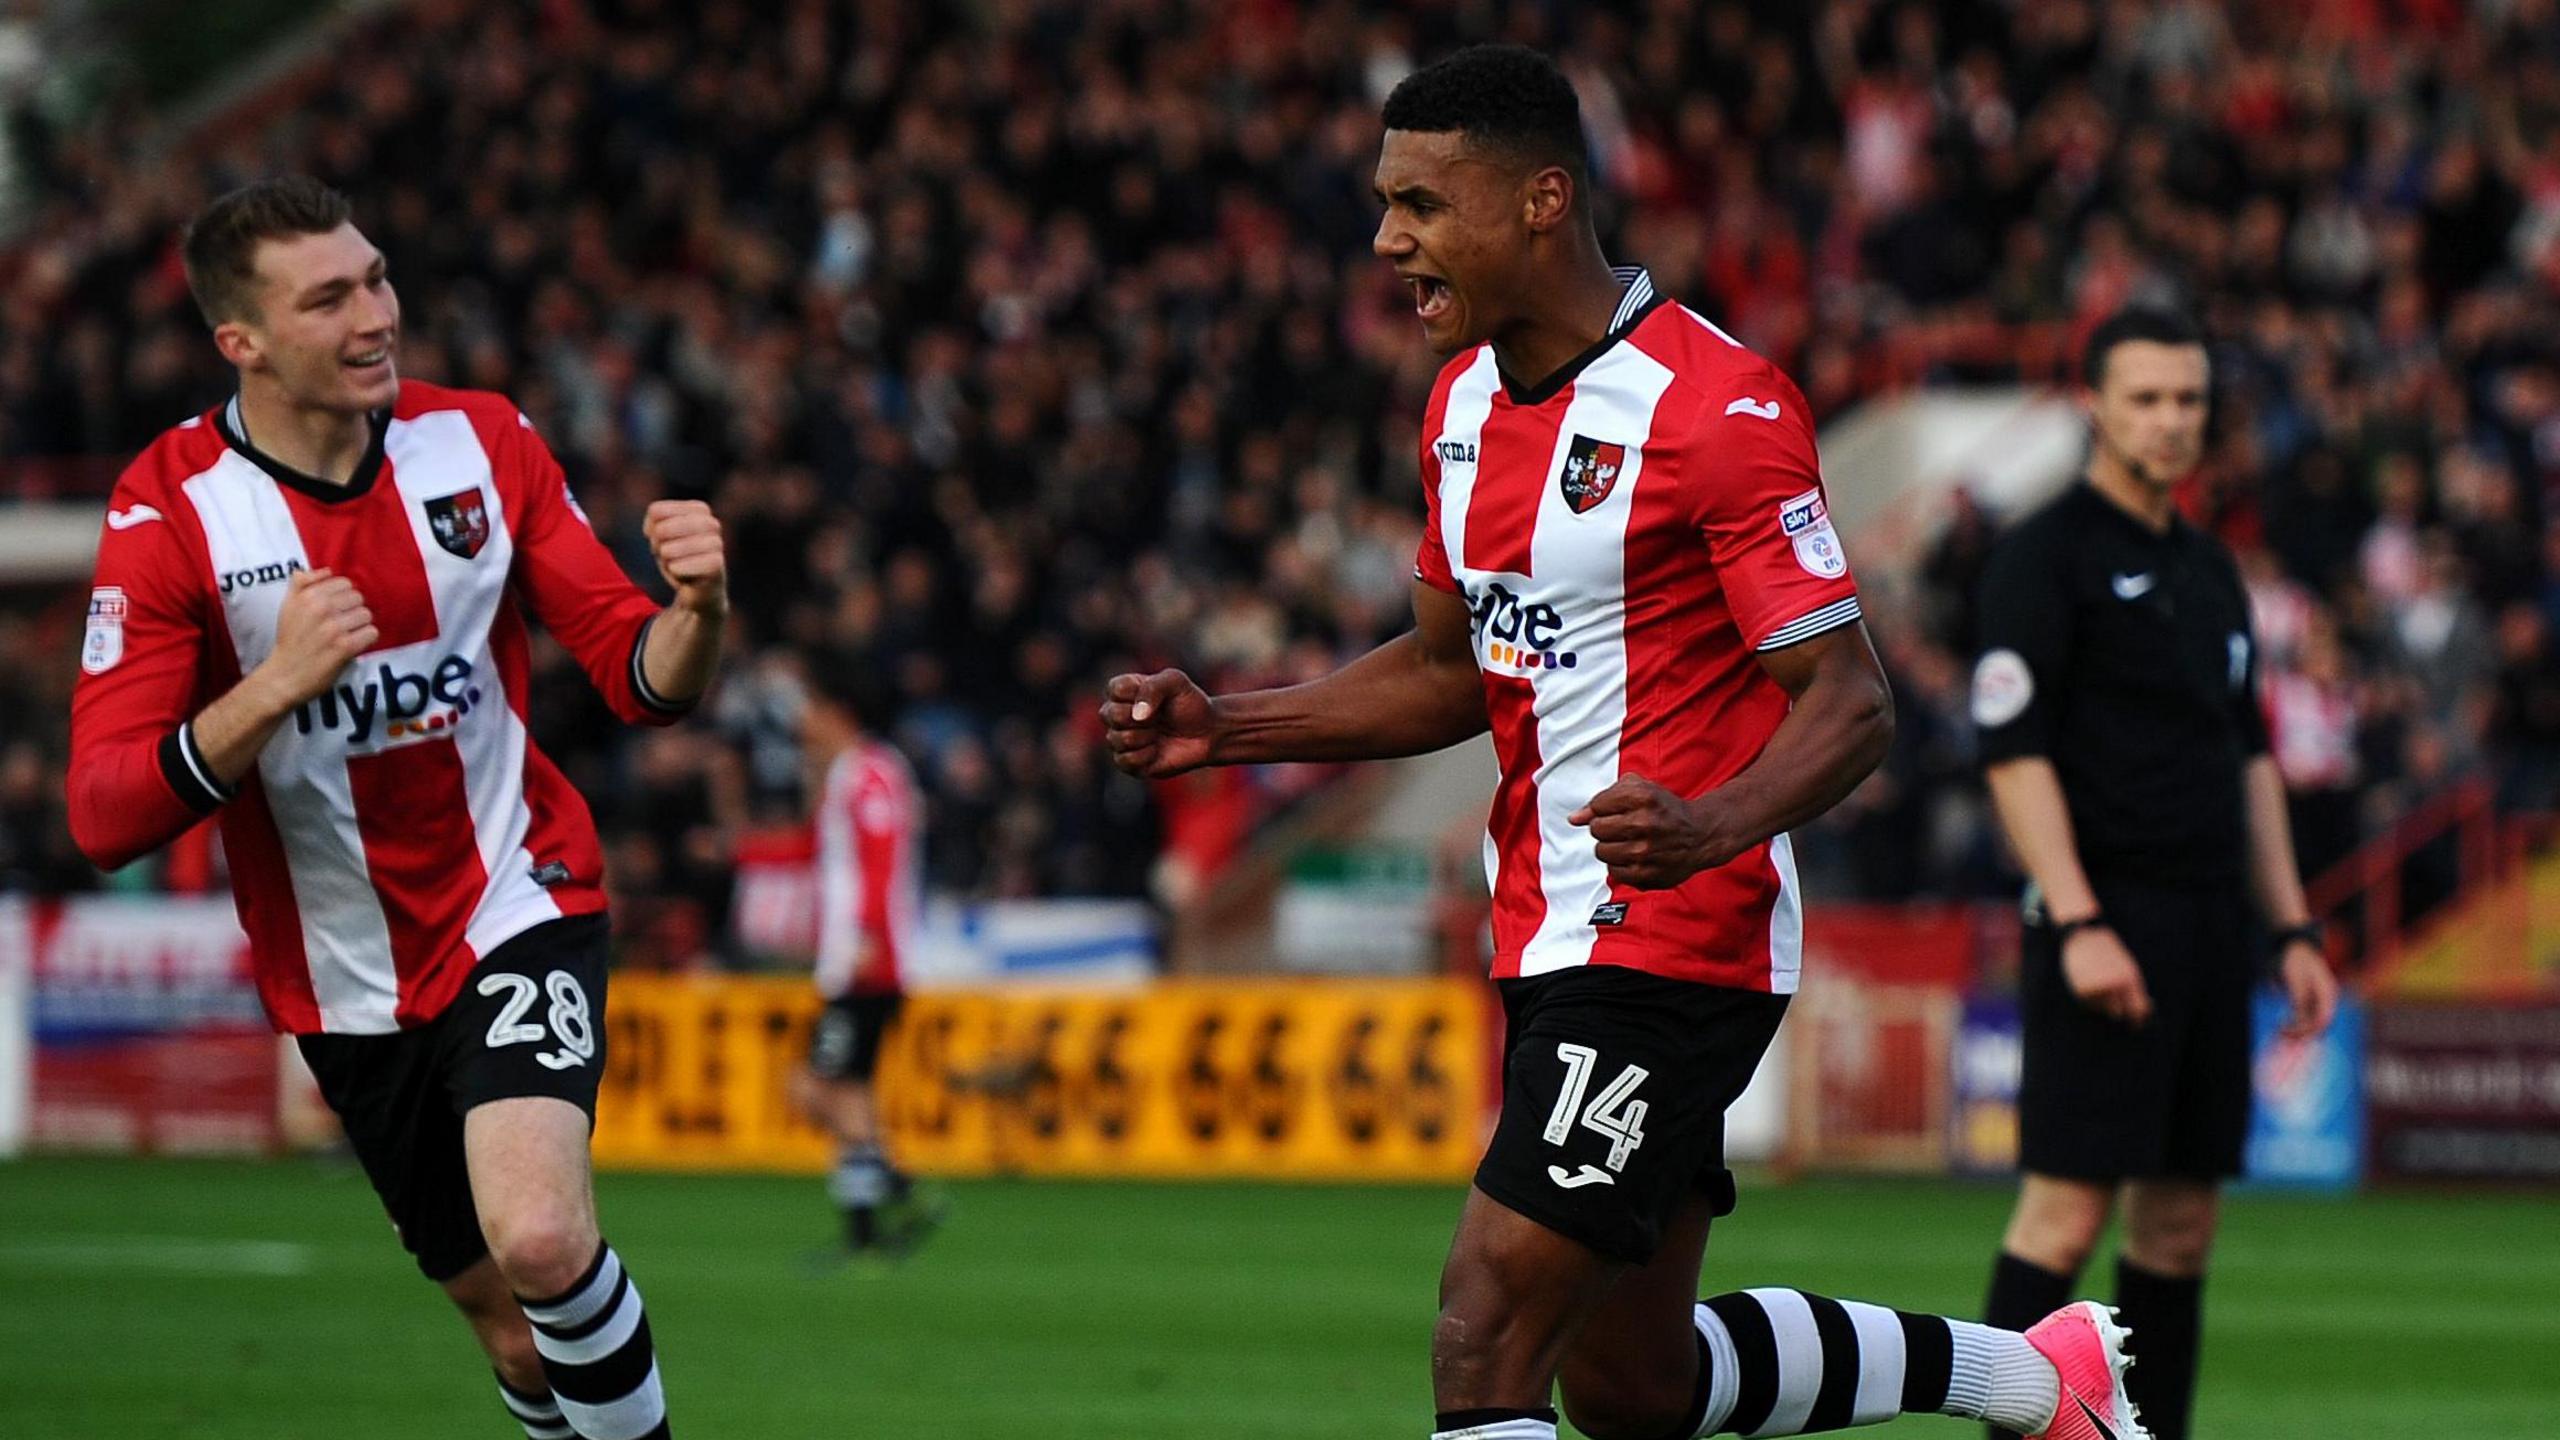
[650,664]
[145,763]
[1418,692]
[682,647]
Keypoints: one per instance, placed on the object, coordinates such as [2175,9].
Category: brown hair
[220,245]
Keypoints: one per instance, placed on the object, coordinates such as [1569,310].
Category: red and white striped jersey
[1628,536]
[870,875]
[402,825]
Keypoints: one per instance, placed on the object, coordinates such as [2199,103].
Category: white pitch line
[157,1254]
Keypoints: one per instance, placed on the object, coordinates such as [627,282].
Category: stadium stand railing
[2457,899]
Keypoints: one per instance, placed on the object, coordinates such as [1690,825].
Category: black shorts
[845,1045]
[2100,1100]
[1614,1088]
[529,1021]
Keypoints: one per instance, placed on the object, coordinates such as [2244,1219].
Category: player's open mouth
[1431,297]
[368,359]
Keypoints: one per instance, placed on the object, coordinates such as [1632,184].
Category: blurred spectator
[2314,721]
[1023,343]
[2525,725]
[2439,638]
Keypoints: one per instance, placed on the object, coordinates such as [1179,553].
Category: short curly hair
[1507,97]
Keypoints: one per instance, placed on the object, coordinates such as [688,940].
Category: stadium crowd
[1025,342]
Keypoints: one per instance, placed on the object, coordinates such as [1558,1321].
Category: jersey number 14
[1614,1112]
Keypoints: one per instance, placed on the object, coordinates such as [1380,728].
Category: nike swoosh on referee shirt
[127,519]
[2105,1431]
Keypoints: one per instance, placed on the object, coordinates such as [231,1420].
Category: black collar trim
[1640,300]
[2178,526]
[235,434]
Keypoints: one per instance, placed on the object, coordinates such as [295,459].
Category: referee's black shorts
[2101,1100]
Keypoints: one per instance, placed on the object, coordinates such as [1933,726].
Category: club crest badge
[1591,471]
[460,522]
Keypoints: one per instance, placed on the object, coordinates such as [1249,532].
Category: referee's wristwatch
[2063,930]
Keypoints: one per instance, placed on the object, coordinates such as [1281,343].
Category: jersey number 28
[570,1018]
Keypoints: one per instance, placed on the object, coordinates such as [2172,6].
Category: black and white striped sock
[595,1348]
[1782,1362]
[537,1412]
[861,1184]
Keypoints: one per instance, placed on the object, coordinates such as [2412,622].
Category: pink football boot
[2086,1346]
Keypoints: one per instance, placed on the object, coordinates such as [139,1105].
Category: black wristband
[648,696]
[2308,931]
[189,777]
[2065,929]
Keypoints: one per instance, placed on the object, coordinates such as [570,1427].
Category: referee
[2116,699]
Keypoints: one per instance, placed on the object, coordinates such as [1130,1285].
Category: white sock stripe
[604,1340]
[580,1307]
[1501,1430]
[1881,1361]
[1799,1360]
[1969,1383]
[628,1418]
[1724,1369]
[552,1430]
[533,1412]
[2001,1378]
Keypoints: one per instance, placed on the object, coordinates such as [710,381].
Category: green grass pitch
[210,1300]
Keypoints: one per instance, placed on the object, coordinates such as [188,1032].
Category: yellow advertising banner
[1312,1079]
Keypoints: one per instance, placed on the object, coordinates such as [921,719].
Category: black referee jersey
[2125,657]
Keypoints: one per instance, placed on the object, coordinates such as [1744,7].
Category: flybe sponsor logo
[393,703]
[1518,635]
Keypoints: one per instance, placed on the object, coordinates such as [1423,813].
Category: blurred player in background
[308,619]
[1628,573]
[870,858]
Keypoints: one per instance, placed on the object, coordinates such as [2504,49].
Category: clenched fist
[1651,838]
[684,538]
[1157,725]
[321,626]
